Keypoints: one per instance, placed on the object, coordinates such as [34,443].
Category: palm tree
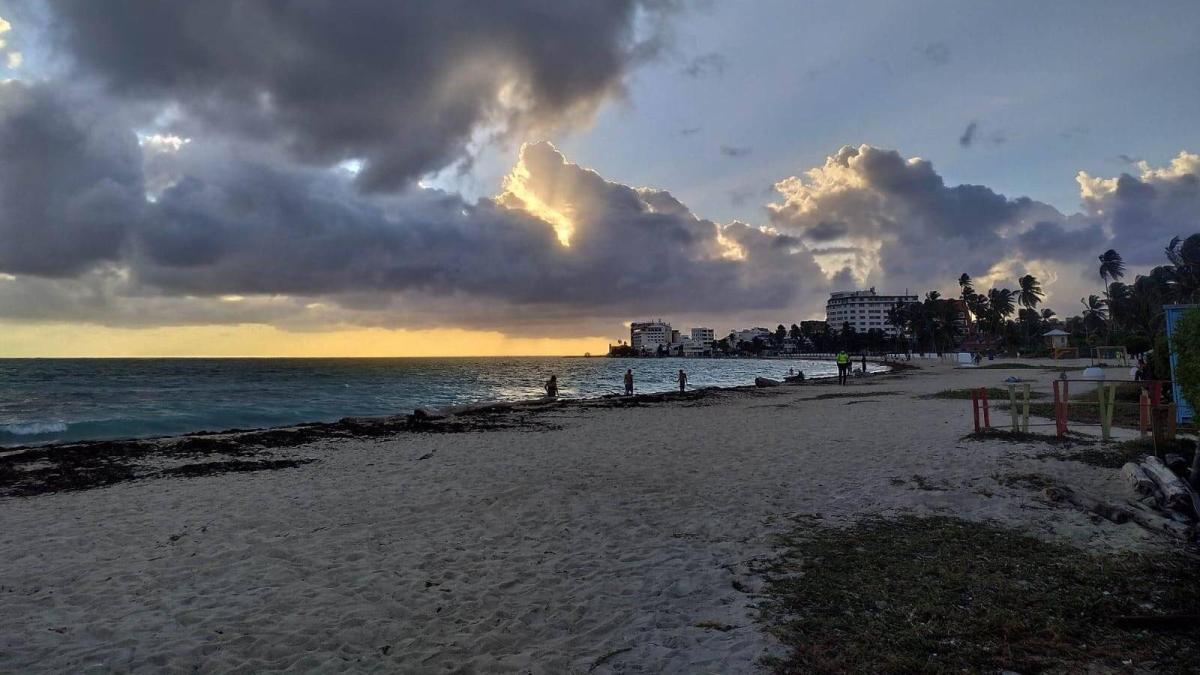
[964,284]
[1112,268]
[1093,312]
[1030,295]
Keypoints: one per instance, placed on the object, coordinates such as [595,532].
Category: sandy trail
[623,534]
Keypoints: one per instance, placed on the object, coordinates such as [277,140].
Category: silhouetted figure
[682,380]
[552,386]
[629,382]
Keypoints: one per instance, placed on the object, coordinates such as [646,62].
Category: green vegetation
[939,595]
[1186,341]
[995,394]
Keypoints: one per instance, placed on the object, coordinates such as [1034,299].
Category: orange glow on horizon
[51,340]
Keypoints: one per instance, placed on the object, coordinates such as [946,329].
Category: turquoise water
[57,400]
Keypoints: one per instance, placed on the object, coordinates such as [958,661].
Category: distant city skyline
[470,178]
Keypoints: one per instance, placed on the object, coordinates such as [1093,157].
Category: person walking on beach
[682,379]
[552,386]
[843,363]
[629,381]
[864,363]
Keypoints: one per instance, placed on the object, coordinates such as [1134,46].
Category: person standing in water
[629,381]
[843,364]
[552,386]
[682,380]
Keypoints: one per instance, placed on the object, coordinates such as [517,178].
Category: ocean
[63,400]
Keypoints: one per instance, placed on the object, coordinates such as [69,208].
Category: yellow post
[1025,413]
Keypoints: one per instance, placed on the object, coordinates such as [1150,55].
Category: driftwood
[1139,481]
[1175,493]
[1106,511]
[1118,514]
[766,382]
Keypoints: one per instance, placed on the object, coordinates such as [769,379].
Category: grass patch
[852,395]
[1007,436]
[939,595]
[715,625]
[1034,482]
[995,394]
[1085,407]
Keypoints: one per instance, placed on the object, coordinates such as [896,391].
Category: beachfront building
[699,343]
[815,327]
[863,310]
[648,336]
[737,337]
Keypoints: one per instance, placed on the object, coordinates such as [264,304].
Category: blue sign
[1183,410]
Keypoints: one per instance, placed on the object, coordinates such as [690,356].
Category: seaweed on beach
[88,465]
[943,595]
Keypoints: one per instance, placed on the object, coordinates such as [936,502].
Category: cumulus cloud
[874,216]
[559,240]
[1141,213]
[403,87]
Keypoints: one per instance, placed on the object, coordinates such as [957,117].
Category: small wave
[34,428]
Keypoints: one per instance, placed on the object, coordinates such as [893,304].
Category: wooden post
[987,418]
[1058,428]
[1144,412]
[1155,392]
[1171,421]
[975,408]
[1108,402]
[1025,413]
[1012,406]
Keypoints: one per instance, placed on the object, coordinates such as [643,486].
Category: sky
[319,178]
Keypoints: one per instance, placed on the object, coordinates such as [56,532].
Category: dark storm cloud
[70,182]
[402,86]
[1048,240]
[968,135]
[704,65]
[735,151]
[74,203]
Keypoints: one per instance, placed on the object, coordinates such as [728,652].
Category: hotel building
[863,310]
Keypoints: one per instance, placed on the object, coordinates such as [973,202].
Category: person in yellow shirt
[843,364]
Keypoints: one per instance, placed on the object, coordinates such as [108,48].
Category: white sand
[506,551]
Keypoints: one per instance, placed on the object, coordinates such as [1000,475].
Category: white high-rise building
[649,335]
[864,310]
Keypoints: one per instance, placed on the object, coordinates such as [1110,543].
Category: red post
[1058,417]
[1155,392]
[1144,412]
[975,408]
[987,420]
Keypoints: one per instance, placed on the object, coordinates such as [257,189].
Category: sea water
[60,400]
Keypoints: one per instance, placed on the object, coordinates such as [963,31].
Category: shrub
[1137,344]
[1186,342]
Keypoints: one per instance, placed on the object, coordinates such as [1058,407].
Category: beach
[596,536]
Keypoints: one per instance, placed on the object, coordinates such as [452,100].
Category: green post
[1107,403]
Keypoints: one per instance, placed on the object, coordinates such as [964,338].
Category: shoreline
[433,413]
